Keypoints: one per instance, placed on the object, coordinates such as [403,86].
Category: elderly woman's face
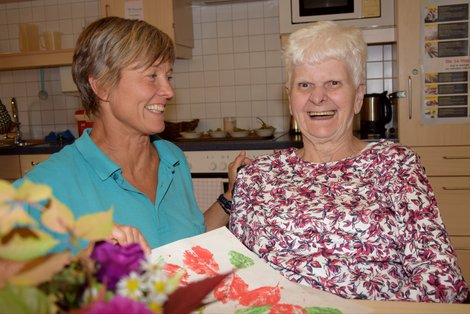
[323,99]
[139,100]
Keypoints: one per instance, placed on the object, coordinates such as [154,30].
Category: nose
[166,90]
[317,95]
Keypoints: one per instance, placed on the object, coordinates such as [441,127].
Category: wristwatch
[225,204]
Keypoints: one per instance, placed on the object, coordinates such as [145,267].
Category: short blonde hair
[111,44]
[327,40]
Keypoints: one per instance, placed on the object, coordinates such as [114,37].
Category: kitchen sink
[10,143]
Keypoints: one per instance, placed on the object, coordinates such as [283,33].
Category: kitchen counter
[279,141]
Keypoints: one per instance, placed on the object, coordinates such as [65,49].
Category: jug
[375,113]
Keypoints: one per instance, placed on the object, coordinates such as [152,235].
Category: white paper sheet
[219,246]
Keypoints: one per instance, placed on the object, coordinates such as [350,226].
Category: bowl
[191,134]
[217,134]
[239,133]
[265,132]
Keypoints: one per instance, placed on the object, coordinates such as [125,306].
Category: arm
[428,256]
[215,216]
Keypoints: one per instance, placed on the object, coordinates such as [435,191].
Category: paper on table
[219,250]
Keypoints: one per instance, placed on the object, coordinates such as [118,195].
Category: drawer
[453,199]
[27,162]
[445,160]
[10,167]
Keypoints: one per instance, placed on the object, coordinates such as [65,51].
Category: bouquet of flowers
[100,278]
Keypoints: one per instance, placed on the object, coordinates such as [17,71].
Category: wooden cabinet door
[410,130]
[10,167]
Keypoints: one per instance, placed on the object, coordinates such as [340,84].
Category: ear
[101,92]
[360,92]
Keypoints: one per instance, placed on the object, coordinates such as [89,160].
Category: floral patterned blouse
[364,227]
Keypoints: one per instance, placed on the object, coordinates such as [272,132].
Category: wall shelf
[35,59]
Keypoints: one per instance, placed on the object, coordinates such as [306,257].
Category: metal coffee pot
[375,113]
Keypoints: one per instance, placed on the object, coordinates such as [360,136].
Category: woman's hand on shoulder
[125,235]
[233,167]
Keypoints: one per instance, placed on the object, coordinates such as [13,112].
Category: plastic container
[83,121]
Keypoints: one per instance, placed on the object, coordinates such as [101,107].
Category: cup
[51,40]
[28,37]
[230,123]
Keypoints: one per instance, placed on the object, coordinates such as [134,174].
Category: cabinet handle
[35,163]
[106,10]
[410,97]
[456,157]
[452,188]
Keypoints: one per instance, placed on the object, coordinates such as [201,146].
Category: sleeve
[428,256]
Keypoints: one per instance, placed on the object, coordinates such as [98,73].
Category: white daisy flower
[131,286]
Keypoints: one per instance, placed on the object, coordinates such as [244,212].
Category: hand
[239,161]
[125,235]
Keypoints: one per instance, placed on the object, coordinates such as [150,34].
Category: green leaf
[58,217]
[95,227]
[10,218]
[22,244]
[32,193]
[239,260]
[23,300]
[7,191]
[41,269]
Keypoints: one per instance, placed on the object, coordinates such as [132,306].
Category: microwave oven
[365,14]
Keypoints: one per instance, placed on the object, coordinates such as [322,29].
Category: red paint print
[201,261]
[231,289]
[287,309]
[172,269]
[261,296]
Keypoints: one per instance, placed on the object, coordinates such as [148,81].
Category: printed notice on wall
[446,61]
[134,9]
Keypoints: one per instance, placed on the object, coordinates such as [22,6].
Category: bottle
[293,128]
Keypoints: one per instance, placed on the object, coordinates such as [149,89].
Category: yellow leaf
[32,192]
[8,269]
[10,218]
[7,191]
[95,227]
[58,217]
[41,269]
[22,244]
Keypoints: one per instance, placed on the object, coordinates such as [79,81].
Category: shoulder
[167,147]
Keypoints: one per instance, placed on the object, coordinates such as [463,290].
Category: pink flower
[119,305]
[115,262]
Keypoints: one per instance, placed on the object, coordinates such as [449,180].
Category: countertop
[278,141]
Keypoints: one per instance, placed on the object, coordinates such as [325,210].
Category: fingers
[233,168]
[125,235]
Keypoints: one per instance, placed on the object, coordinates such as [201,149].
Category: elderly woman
[356,219]
[123,71]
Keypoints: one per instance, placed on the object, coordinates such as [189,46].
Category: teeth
[321,113]
[155,108]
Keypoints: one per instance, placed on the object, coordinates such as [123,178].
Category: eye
[304,85]
[333,84]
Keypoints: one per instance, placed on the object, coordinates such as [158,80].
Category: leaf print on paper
[287,309]
[231,289]
[261,296]
[201,261]
[253,310]
[322,310]
[172,269]
[239,260]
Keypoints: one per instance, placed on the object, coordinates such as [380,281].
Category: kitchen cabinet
[35,59]
[444,148]
[28,162]
[174,17]
[10,167]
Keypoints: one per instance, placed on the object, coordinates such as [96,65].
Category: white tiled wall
[236,68]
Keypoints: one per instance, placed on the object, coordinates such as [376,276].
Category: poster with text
[446,61]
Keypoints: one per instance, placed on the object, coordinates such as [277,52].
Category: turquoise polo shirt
[87,181]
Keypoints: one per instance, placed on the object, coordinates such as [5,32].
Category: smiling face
[137,104]
[323,99]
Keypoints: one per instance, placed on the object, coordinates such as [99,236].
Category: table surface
[387,307]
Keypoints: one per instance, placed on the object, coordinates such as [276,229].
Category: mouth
[155,108]
[321,114]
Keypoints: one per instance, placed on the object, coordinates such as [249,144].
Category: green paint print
[239,260]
